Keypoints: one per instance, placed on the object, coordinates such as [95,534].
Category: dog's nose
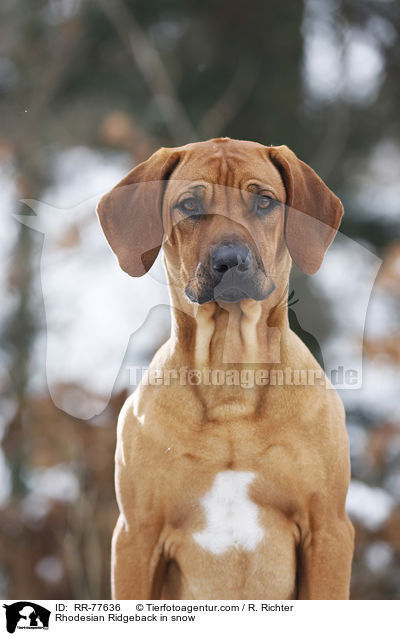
[228,256]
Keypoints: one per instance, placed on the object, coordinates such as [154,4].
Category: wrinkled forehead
[230,165]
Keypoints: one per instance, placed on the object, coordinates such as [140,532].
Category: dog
[225,490]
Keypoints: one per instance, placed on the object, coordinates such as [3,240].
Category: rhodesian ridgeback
[229,489]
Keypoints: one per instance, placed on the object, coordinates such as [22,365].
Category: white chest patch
[231,516]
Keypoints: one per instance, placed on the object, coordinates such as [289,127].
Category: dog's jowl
[229,489]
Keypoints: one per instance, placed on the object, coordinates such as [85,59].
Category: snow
[50,569]
[34,507]
[378,556]
[344,283]
[8,205]
[5,480]
[379,394]
[377,182]
[342,61]
[367,505]
[57,482]
[363,66]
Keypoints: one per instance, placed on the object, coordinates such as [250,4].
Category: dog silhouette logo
[86,296]
[26,615]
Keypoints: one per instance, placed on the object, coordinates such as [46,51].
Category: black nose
[228,256]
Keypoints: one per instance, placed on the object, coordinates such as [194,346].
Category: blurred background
[88,89]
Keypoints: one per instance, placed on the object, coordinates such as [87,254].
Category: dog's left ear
[131,216]
[313,212]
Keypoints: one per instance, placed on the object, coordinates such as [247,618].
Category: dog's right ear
[131,213]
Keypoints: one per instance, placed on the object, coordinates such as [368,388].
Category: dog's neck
[216,335]
[217,340]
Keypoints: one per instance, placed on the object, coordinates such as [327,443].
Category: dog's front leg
[325,557]
[137,563]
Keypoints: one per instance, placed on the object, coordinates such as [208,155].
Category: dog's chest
[227,532]
[230,517]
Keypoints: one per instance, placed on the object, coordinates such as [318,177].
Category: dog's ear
[131,213]
[313,212]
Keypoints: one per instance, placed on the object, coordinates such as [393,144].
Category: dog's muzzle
[232,274]
[231,265]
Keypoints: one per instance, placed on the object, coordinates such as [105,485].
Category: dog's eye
[190,206]
[264,202]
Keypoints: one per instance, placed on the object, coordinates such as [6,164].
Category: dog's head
[229,214]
